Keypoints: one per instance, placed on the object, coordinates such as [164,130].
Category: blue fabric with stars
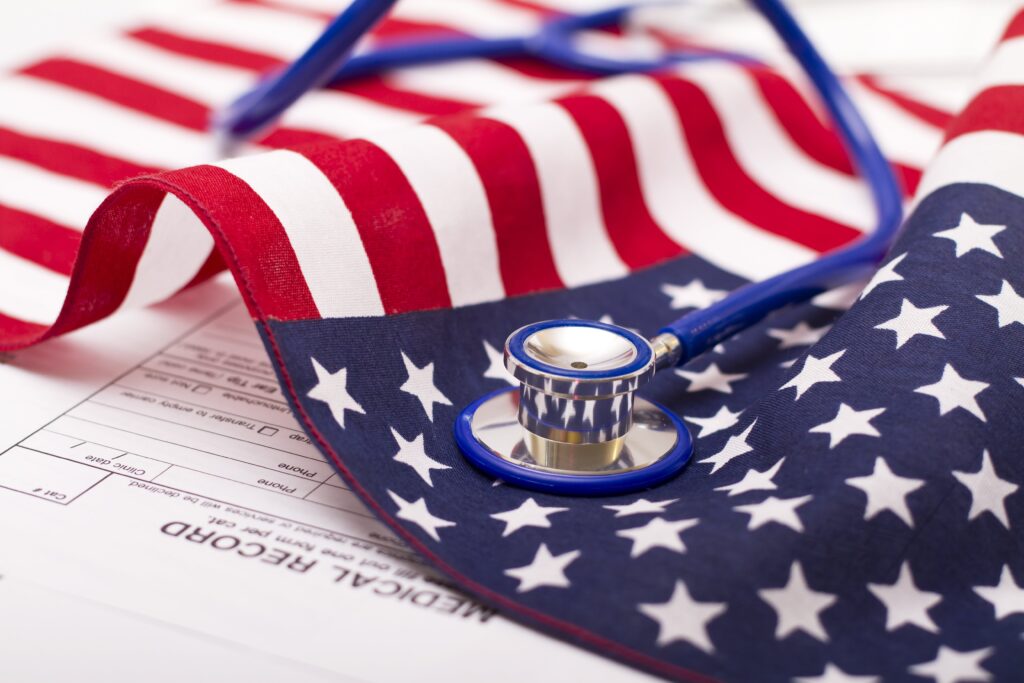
[854,508]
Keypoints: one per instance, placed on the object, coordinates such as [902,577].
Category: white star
[421,385]
[693,295]
[772,509]
[735,447]
[418,514]
[1008,304]
[950,666]
[331,388]
[833,674]
[710,377]
[886,491]
[657,533]
[723,419]
[953,391]
[1007,596]
[496,368]
[683,618]
[988,491]
[413,454]
[905,603]
[640,507]
[527,514]
[969,235]
[754,481]
[886,273]
[840,298]
[544,570]
[801,335]
[814,371]
[848,422]
[913,321]
[798,606]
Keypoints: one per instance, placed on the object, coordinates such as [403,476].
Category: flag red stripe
[394,228]
[924,112]
[213,265]
[374,88]
[733,188]
[636,236]
[506,170]
[541,70]
[996,108]
[379,90]
[38,240]
[16,334]
[394,28]
[207,50]
[909,178]
[252,234]
[125,91]
[1015,28]
[68,159]
[800,122]
[112,244]
[815,138]
[293,137]
[153,100]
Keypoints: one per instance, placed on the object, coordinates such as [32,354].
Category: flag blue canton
[853,510]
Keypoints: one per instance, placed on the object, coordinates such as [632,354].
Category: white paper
[152,476]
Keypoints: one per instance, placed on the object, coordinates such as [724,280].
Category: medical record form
[154,487]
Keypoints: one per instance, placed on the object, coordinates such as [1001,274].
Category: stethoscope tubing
[328,60]
[703,329]
[261,106]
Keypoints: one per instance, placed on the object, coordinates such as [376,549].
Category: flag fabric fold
[853,509]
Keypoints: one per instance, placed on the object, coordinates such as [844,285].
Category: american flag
[854,508]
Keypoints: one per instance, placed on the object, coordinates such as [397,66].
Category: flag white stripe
[767,153]
[987,157]
[945,93]
[53,111]
[1004,68]
[30,292]
[675,193]
[479,81]
[213,85]
[58,198]
[334,113]
[581,6]
[478,17]
[454,199]
[579,241]
[320,229]
[178,245]
[474,81]
[344,115]
[903,137]
[281,34]
[485,18]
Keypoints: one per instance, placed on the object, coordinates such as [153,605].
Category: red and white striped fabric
[438,186]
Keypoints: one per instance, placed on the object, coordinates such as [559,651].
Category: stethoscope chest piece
[574,424]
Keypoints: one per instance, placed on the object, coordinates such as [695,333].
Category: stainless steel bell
[575,412]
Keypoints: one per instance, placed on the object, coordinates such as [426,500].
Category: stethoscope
[575,424]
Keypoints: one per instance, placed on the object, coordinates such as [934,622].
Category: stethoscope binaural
[575,424]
